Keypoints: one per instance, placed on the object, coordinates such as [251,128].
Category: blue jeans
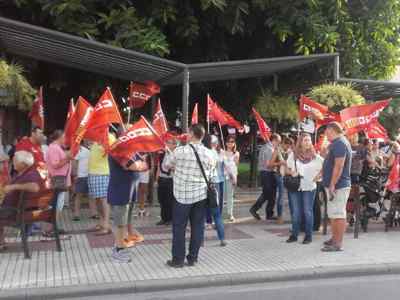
[302,206]
[279,197]
[219,224]
[182,213]
[220,190]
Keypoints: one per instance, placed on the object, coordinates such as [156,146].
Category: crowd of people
[112,185]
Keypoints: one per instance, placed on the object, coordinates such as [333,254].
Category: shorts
[81,185]
[120,214]
[98,186]
[337,206]
[144,177]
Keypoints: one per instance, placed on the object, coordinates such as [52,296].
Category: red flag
[393,181]
[265,131]
[376,131]
[329,117]
[195,115]
[76,126]
[71,111]
[310,108]
[106,111]
[139,94]
[214,113]
[37,111]
[357,118]
[160,124]
[141,137]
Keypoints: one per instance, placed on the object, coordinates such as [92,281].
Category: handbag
[59,183]
[212,193]
[292,183]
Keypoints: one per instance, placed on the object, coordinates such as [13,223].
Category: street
[365,288]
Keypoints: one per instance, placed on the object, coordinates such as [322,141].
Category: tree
[276,108]
[15,90]
[336,96]
[364,32]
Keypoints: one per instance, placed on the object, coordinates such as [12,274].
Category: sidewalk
[256,252]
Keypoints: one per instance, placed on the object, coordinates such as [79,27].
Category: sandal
[94,217]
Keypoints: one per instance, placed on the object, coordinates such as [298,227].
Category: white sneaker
[121,255]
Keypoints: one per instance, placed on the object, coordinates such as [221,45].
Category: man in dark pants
[190,191]
[266,169]
[165,190]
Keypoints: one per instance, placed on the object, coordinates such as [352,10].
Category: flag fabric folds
[376,131]
[104,114]
[195,115]
[160,123]
[310,108]
[263,128]
[37,112]
[141,137]
[139,94]
[393,181]
[71,111]
[357,118]
[76,126]
[217,114]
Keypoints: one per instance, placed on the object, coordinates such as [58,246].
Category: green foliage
[336,96]
[15,89]
[276,107]
[117,23]
[390,117]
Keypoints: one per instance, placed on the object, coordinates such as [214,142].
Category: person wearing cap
[336,180]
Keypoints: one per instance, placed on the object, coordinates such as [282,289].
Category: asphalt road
[363,288]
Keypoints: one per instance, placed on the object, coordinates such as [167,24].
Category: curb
[157,285]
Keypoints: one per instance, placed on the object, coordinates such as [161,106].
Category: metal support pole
[185,100]
[276,82]
[336,68]
[357,204]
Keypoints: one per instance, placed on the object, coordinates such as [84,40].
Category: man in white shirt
[190,191]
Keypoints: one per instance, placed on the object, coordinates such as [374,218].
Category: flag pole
[222,136]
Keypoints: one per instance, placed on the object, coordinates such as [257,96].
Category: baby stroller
[373,196]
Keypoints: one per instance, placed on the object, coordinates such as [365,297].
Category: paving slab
[256,253]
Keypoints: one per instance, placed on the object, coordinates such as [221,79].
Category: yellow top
[98,160]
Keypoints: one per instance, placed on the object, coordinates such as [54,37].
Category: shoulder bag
[212,193]
[292,183]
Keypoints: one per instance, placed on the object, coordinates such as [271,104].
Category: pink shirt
[54,155]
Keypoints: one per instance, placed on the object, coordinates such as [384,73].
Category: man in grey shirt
[266,169]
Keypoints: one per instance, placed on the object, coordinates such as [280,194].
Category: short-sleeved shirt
[189,184]
[54,155]
[308,171]
[98,161]
[83,162]
[32,175]
[265,155]
[122,183]
[339,148]
[25,144]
